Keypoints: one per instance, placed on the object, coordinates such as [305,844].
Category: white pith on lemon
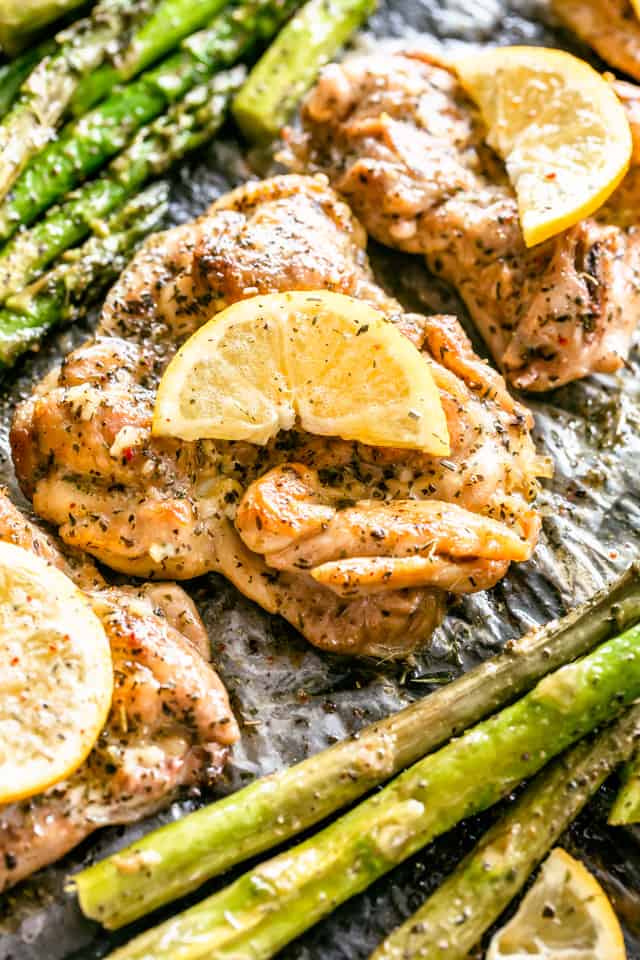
[559,127]
[329,360]
[56,675]
[566,915]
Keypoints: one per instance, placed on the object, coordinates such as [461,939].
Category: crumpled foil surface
[293,700]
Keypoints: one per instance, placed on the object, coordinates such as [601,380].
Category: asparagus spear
[471,899]
[188,124]
[64,294]
[87,144]
[626,808]
[13,74]
[21,19]
[46,92]
[78,151]
[270,905]
[180,856]
[172,21]
[93,88]
[285,72]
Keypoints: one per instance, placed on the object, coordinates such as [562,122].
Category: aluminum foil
[293,700]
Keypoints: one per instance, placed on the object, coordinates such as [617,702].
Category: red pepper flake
[15,661]
[128,454]
[550,176]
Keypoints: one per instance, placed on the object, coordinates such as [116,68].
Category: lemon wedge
[56,676]
[566,915]
[636,7]
[333,362]
[559,127]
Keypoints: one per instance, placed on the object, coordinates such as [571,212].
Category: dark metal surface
[293,700]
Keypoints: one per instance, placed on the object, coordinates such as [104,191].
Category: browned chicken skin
[170,723]
[401,141]
[85,454]
[611,27]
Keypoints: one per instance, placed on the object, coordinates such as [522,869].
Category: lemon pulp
[325,359]
[559,127]
[56,676]
[566,915]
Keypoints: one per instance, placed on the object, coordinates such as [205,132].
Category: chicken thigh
[170,723]
[356,546]
[611,27]
[403,143]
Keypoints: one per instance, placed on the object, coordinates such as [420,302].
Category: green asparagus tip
[282,76]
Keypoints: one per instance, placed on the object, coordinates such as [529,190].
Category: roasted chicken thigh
[611,27]
[356,546]
[170,723]
[402,142]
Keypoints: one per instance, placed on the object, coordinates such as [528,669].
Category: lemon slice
[559,127]
[330,360]
[636,6]
[56,677]
[566,915]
